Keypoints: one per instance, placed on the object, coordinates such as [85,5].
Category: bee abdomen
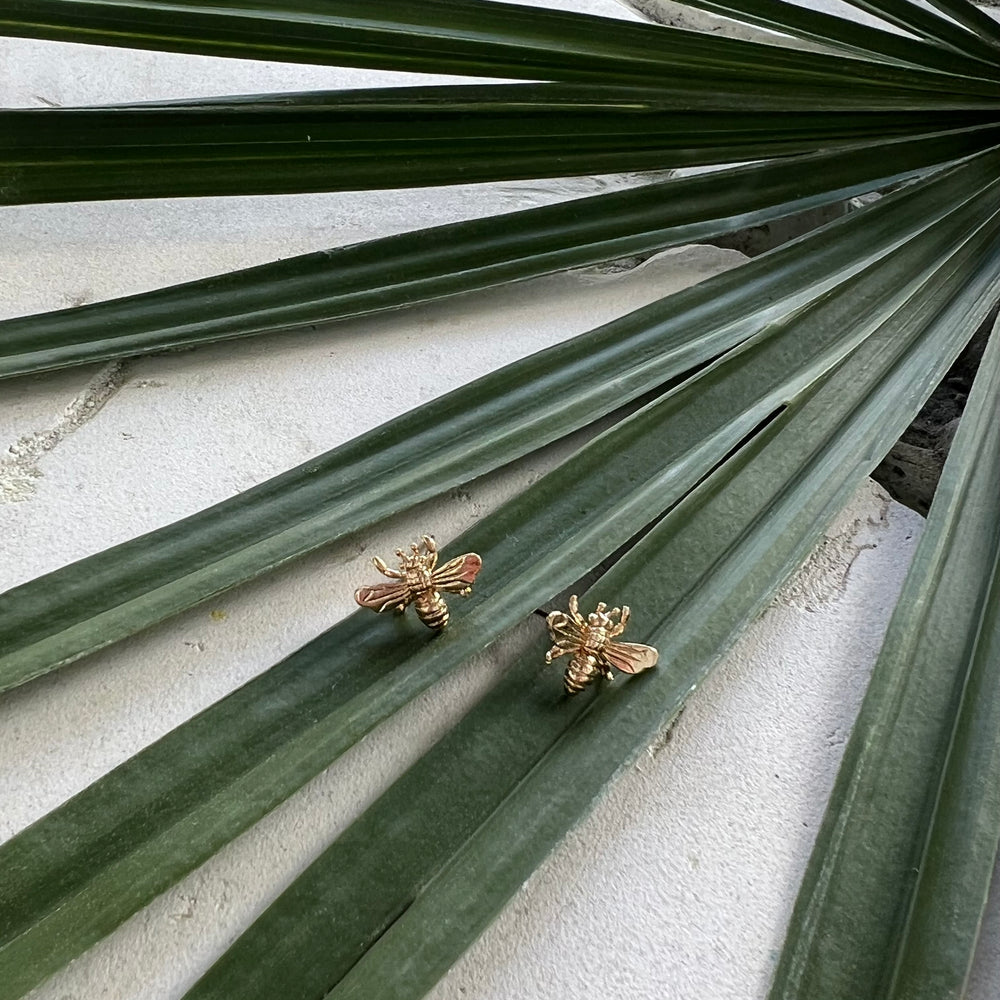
[581,671]
[432,610]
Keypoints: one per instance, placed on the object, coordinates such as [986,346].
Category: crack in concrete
[823,578]
[19,465]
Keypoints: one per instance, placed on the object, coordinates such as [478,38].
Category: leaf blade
[366,140]
[95,601]
[887,811]
[817,25]
[692,583]
[76,873]
[418,267]
[451,36]
[930,25]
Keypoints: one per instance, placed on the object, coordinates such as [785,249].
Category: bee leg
[432,552]
[556,651]
[623,621]
[608,674]
[381,566]
[574,610]
[614,628]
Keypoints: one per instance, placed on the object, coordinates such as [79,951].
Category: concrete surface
[688,869]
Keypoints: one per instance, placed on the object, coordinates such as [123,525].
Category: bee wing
[630,657]
[384,595]
[564,631]
[457,574]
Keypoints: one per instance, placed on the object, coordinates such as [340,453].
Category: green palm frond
[767,393]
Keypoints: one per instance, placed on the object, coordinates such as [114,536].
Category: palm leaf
[976,20]
[352,140]
[133,833]
[982,40]
[855,39]
[95,601]
[885,297]
[894,894]
[707,609]
[462,37]
[528,763]
[446,260]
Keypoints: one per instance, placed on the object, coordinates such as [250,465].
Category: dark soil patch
[911,470]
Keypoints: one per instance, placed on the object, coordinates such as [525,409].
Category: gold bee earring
[418,582]
[590,643]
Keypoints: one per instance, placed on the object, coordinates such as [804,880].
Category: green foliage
[923,763]
[416,267]
[774,389]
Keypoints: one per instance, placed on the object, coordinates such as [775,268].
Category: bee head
[412,560]
[602,618]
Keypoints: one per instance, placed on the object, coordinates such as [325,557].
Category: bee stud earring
[590,643]
[420,582]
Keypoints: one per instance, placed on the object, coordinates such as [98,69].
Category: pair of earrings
[588,640]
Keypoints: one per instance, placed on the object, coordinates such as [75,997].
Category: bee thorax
[432,610]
